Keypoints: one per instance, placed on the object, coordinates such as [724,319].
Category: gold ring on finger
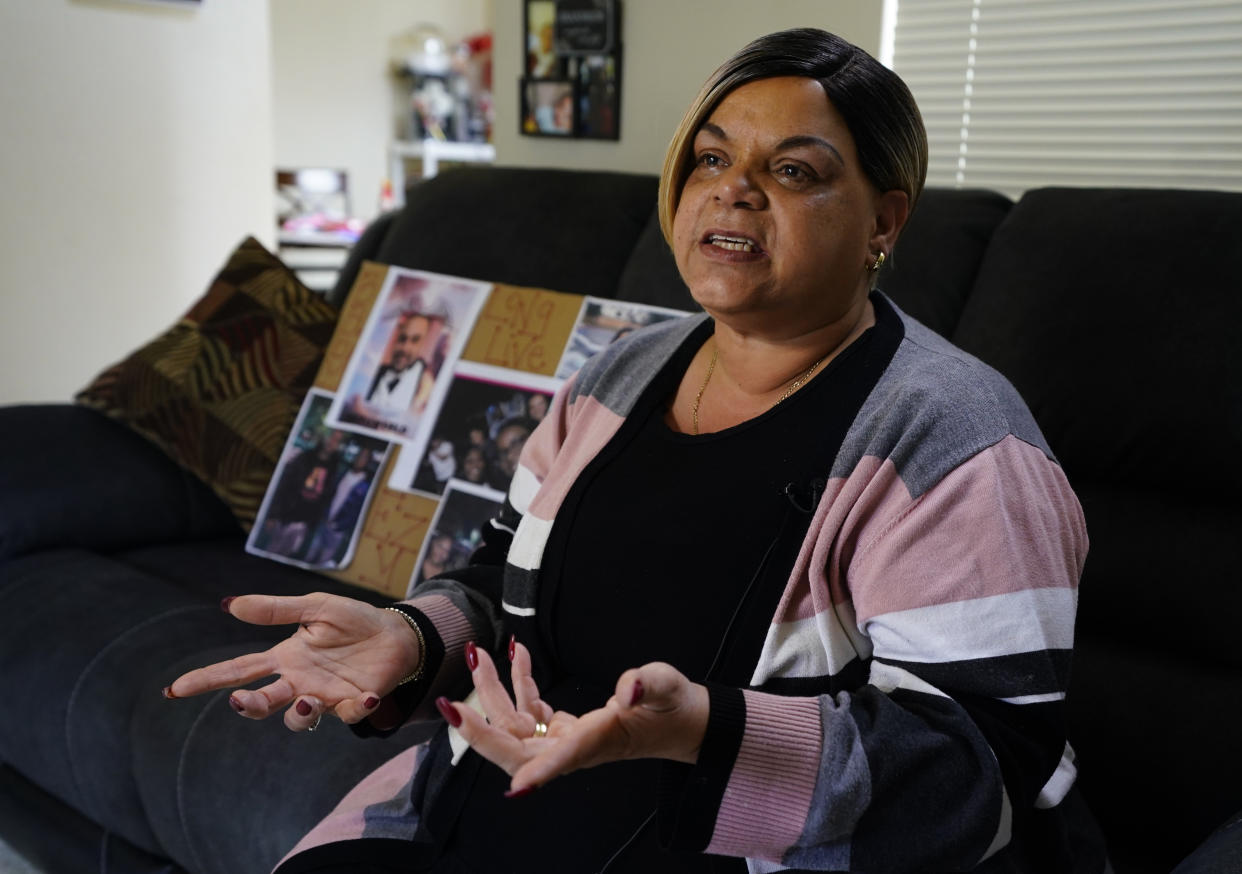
[541,729]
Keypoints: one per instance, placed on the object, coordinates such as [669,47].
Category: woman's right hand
[344,657]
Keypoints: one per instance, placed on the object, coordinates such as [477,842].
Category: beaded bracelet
[422,645]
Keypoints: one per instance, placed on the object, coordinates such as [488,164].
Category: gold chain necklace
[699,397]
[711,367]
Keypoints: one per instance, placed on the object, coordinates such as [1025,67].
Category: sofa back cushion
[938,254]
[930,275]
[1116,313]
[651,275]
[557,229]
[598,233]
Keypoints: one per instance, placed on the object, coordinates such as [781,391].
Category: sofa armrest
[70,476]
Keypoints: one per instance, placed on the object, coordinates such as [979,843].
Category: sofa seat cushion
[82,638]
[29,815]
[188,754]
[121,628]
[1221,852]
[227,794]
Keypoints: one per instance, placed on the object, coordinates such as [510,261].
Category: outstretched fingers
[495,699]
[223,675]
[275,609]
[525,692]
[493,743]
[257,610]
[304,711]
[262,703]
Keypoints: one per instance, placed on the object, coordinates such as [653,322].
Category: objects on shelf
[315,201]
[449,85]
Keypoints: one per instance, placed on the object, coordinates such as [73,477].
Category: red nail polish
[451,716]
[236,705]
[371,703]
[637,694]
[512,646]
[519,793]
[303,708]
[472,655]
[167,692]
[225,602]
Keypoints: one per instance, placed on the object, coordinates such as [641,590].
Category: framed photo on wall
[549,108]
[573,56]
[542,59]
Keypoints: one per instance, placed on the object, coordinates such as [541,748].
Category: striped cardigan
[920,651]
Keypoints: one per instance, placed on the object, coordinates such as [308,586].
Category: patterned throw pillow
[220,390]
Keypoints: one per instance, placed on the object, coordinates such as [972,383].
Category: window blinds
[1018,94]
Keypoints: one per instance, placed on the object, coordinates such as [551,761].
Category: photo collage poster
[482,424]
[410,402]
[317,502]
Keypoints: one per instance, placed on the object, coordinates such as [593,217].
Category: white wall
[670,48]
[136,152]
[333,94]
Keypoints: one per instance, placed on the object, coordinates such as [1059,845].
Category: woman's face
[537,407]
[441,547]
[474,465]
[777,222]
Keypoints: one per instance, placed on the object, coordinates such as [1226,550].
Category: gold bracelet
[422,645]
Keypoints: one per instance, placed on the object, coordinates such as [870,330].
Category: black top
[711,505]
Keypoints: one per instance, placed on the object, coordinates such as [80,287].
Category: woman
[792,581]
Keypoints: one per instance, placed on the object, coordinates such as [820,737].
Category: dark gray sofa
[1115,312]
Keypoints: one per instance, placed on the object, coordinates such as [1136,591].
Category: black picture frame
[549,108]
[579,42]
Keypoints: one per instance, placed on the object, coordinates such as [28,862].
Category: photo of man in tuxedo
[404,381]
[403,358]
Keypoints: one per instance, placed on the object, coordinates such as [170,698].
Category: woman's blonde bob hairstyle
[876,105]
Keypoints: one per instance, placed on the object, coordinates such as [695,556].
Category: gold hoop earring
[879,262]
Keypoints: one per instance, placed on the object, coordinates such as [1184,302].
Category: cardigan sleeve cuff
[769,793]
[691,794]
[445,632]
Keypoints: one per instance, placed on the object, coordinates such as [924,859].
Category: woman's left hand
[655,712]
